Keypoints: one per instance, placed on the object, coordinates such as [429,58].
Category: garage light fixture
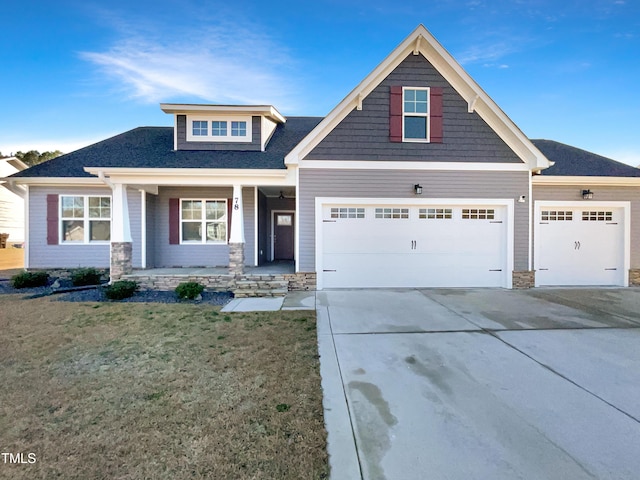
[418,188]
[587,194]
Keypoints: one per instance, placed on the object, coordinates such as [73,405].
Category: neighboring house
[11,202]
[416,179]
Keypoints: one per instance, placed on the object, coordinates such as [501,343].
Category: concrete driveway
[481,383]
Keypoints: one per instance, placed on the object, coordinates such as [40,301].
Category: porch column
[236,236]
[121,241]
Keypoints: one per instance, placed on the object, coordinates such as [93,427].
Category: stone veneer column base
[634,277]
[121,263]
[524,279]
[236,259]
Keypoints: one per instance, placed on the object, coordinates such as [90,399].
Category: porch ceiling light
[418,189]
[587,194]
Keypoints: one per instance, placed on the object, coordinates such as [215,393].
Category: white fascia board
[16,163]
[75,181]
[421,41]
[391,165]
[268,111]
[196,176]
[541,180]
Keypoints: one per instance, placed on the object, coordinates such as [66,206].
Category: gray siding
[399,184]
[183,144]
[167,255]
[42,255]
[573,193]
[364,134]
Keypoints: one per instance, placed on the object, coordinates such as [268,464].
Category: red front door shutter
[52,220]
[395,114]
[174,221]
[435,114]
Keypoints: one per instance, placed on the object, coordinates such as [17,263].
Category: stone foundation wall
[217,283]
[301,281]
[121,259]
[236,258]
[524,279]
[634,277]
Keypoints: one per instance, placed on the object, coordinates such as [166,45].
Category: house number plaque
[235,203]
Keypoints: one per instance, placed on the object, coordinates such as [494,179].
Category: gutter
[10,185]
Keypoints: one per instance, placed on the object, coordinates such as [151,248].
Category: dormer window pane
[238,129]
[200,128]
[219,129]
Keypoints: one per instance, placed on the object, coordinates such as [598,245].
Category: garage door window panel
[392,213]
[556,215]
[435,213]
[347,212]
[478,214]
[599,216]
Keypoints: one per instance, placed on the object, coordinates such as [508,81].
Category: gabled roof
[152,147]
[15,163]
[420,41]
[575,162]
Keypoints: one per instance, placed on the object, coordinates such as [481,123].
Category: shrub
[121,289]
[85,276]
[189,290]
[30,279]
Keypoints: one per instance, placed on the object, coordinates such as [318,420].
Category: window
[200,128]
[478,213]
[435,213]
[415,114]
[597,216]
[203,221]
[238,129]
[218,129]
[85,218]
[347,212]
[557,216]
[392,213]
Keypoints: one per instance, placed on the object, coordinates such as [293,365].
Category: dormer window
[231,129]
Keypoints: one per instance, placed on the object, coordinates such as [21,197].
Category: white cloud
[487,53]
[215,64]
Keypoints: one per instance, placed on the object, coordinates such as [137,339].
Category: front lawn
[137,391]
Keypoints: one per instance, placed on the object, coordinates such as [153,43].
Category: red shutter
[52,220]
[174,221]
[229,208]
[435,126]
[395,114]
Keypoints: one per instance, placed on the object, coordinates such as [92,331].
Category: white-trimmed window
[415,114]
[218,129]
[203,221]
[85,219]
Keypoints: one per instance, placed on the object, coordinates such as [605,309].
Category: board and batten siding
[573,193]
[183,144]
[71,255]
[364,134]
[204,255]
[381,184]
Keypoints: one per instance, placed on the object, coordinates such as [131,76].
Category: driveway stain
[436,373]
[374,419]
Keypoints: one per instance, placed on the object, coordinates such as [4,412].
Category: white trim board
[404,165]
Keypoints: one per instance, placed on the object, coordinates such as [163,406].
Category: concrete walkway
[291,301]
[481,384]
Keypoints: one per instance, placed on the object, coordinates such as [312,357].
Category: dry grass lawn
[154,391]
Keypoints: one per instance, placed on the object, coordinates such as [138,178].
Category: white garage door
[413,246]
[580,246]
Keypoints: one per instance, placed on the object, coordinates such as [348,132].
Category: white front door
[378,245]
[580,245]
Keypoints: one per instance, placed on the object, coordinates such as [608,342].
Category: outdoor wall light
[587,194]
[418,188]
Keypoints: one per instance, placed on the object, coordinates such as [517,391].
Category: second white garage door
[580,245]
[413,246]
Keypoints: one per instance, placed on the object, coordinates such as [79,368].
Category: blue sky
[78,71]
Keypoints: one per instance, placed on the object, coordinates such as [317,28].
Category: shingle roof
[572,161]
[152,147]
